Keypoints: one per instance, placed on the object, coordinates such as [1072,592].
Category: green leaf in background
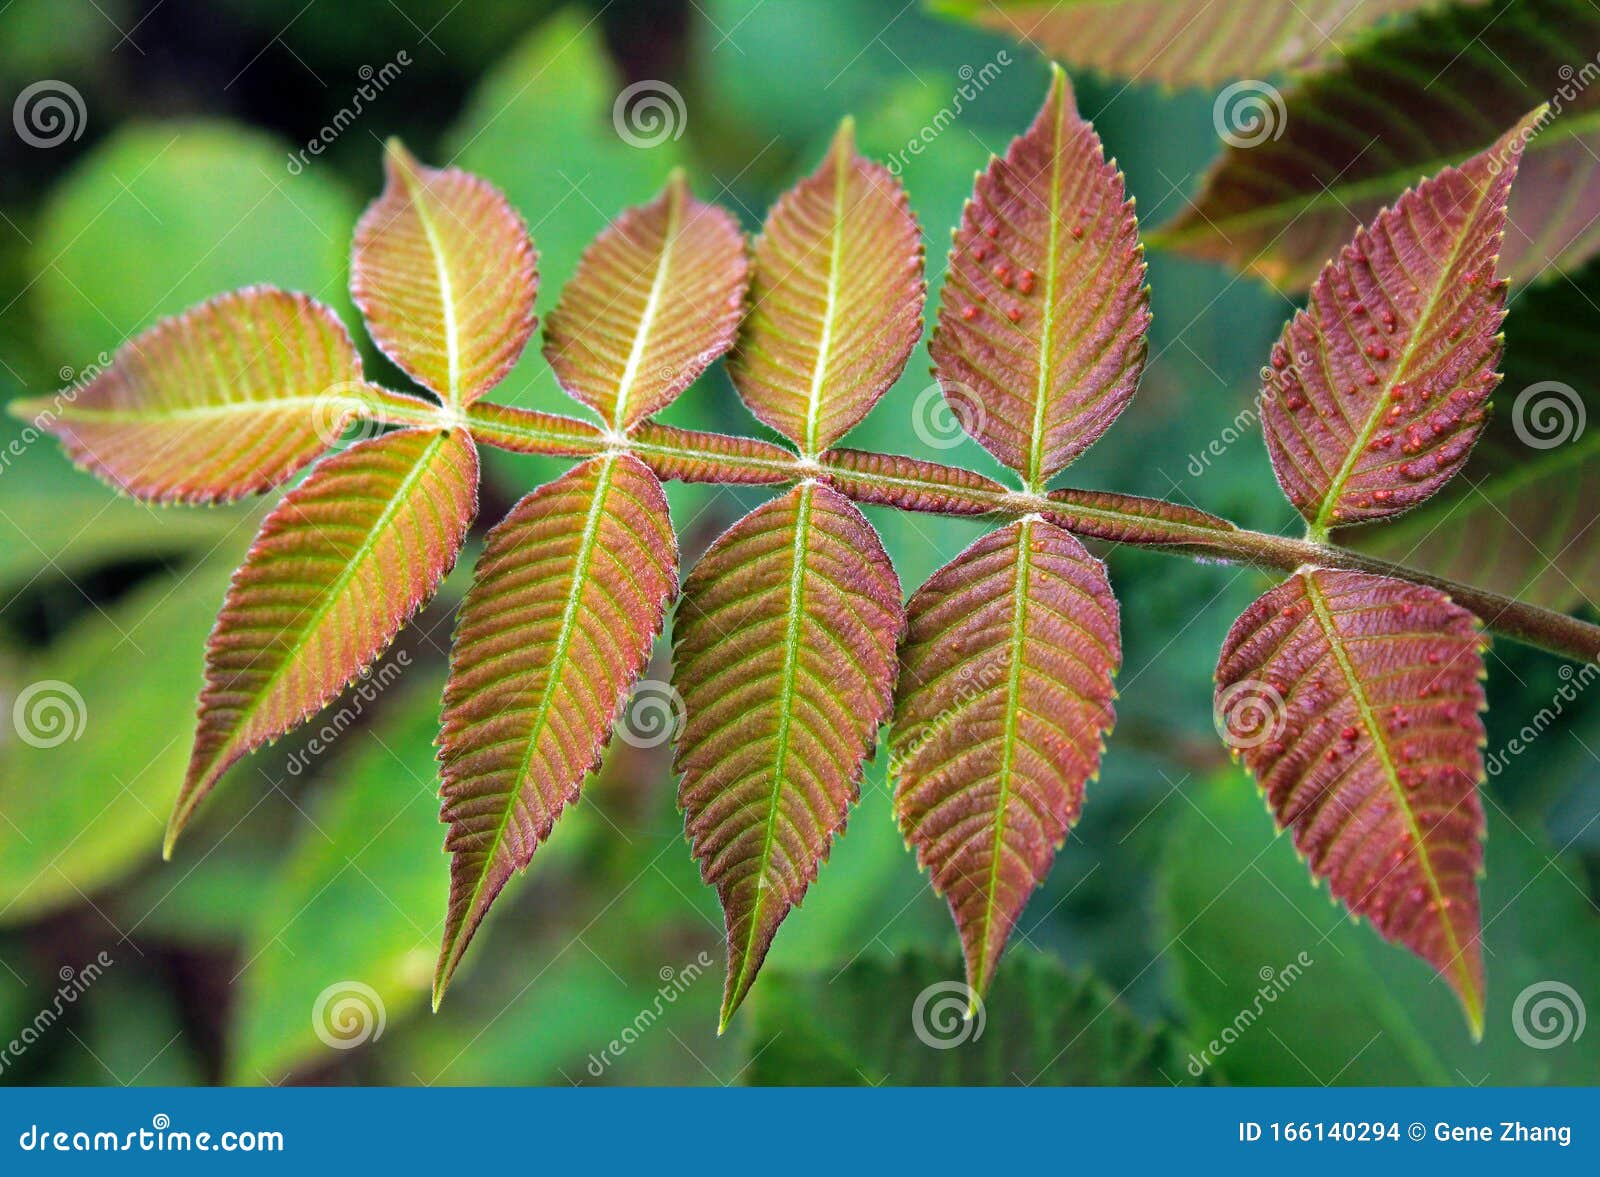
[1283,987]
[902,1022]
[189,210]
[91,761]
[352,916]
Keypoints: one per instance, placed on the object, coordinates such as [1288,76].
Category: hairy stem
[917,485]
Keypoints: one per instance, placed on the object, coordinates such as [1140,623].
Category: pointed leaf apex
[844,140]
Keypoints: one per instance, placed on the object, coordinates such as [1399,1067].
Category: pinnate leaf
[227,399]
[1354,701]
[445,274]
[656,298]
[1376,391]
[1004,699]
[1182,41]
[836,300]
[785,655]
[1345,141]
[1043,317]
[566,600]
[337,568]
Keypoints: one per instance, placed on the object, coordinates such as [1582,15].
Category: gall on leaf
[566,600]
[1354,700]
[445,274]
[835,300]
[228,399]
[784,651]
[1182,42]
[657,297]
[1376,392]
[1001,711]
[337,568]
[1044,311]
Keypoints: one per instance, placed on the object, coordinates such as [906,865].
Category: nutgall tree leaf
[657,297]
[566,600]
[1354,700]
[445,274]
[337,568]
[785,655]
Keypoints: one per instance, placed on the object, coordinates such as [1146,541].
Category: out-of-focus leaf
[1182,41]
[566,601]
[1001,712]
[656,298]
[337,568]
[228,399]
[1314,163]
[80,812]
[903,1023]
[205,207]
[1239,917]
[353,910]
[1041,335]
[1376,391]
[784,650]
[446,276]
[1354,700]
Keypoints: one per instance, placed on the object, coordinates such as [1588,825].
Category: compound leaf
[1001,710]
[1311,165]
[337,568]
[1354,701]
[785,655]
[227,399]
[1181,41]
[566,600]
[836,300]
[445,274]
[1376,391]
[1043,316]
[657,297]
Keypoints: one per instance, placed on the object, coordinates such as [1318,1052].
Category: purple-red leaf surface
[1044,311]
[1354,700]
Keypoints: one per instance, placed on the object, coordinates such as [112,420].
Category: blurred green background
[312,892]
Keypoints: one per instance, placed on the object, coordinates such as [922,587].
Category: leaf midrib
[652,307]
[825,342]
[1047,315]
[452,344]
